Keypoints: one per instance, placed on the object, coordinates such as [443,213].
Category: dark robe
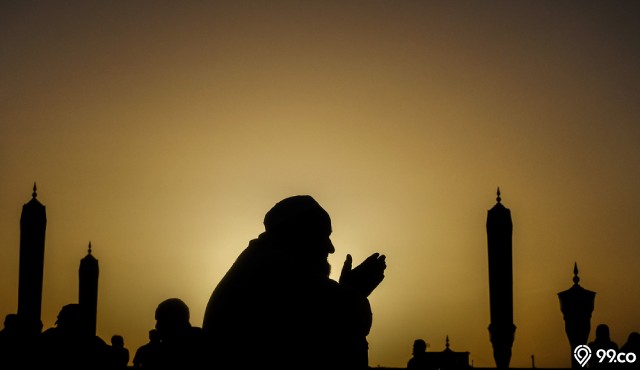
[270,310]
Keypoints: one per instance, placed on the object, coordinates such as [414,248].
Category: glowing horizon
[163,132]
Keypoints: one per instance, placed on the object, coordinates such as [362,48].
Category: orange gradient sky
[162,132]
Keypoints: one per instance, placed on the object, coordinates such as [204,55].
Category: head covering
[69,315]
[294,213]
[172,313]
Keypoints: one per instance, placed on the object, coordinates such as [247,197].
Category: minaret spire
[33,224]
[499,240]
[576,305]
[88,290]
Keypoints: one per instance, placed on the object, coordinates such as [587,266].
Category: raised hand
[366,276]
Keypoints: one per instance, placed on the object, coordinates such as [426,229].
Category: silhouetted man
[181,344]
[148,354]
[419,359]
[277,306]
[632,345]
[14,343]
[602,341]
[69,345]
[119,354]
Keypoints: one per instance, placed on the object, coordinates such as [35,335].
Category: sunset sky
[163,131]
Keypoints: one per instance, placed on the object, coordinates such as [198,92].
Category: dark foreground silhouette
[148,354]
[277,306]
[69,345]
[181,344]
[419,358]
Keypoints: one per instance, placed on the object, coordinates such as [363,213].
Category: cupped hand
[366,276]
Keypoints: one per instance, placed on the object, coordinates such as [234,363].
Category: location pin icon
[582,354]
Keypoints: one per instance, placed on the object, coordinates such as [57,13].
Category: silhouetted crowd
[603,341]
[275,307]
[66,345]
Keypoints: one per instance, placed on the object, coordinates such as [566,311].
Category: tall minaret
[33,222]
[576,304]
[88,290]
[501,328]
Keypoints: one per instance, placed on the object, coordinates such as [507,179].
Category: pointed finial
[89,247]
[576,279]
[35,190]
[498,197]
[447,343]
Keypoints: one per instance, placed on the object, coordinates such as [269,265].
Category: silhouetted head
[154,335]
[419,346]
[303,228]
[117,341]
[70,318]
[634,338]
[12,322]
[172,316]
[602,332]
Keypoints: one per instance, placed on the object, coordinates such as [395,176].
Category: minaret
[501,328]
[576,304]
[88,290]
[33,222]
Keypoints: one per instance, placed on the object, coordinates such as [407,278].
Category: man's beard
[321,266]
[327,268]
